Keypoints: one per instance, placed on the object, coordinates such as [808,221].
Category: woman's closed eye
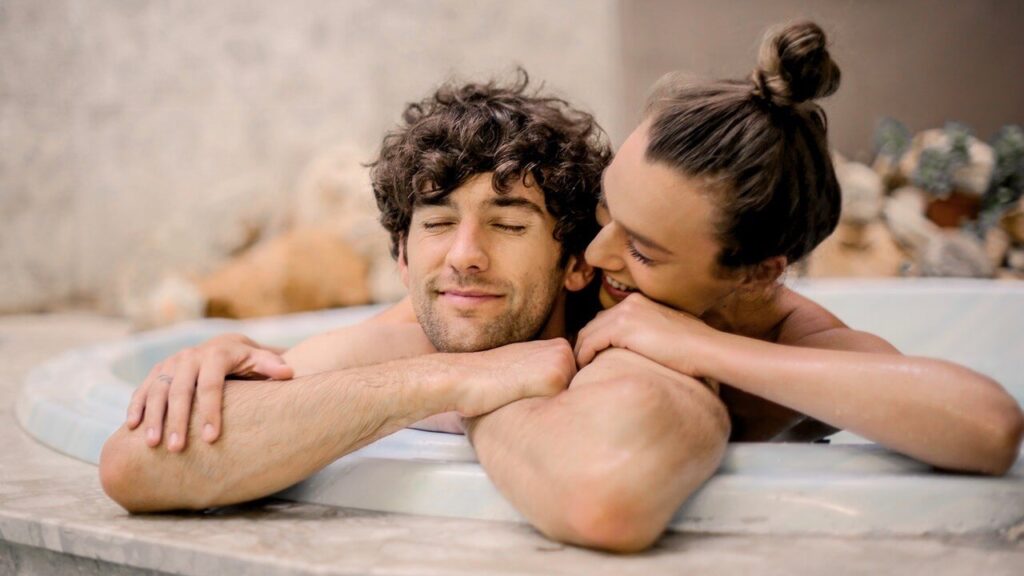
[636,254]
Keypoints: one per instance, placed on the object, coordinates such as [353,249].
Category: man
[489,195]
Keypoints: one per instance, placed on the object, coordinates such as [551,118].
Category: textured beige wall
[921,61]
[117,118]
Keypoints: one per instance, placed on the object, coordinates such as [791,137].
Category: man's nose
[467,253]
[602,251]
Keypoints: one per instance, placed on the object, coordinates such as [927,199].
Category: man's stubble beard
[512,325]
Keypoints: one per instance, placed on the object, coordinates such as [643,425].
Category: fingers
[590,341]
[156,404]
[179,401]
[210,396]
[271,365]
[138,401]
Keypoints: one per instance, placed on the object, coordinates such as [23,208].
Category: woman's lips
[611,290]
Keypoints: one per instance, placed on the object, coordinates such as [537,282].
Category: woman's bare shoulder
[802,317]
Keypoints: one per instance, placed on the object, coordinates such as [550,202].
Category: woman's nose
[601,252]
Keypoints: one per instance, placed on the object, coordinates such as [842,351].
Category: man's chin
[457,342]
[470,335]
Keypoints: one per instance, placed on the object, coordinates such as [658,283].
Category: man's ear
[403,264]
[578,274]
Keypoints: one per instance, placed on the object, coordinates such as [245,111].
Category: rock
[1012,222]
[972,178]
[888,170]
[904,215]
[334,193]
[1015,260]
[194,241]
[174,299]
[955,253]
[858,250]
[301,270]
[997,243]
[863,192]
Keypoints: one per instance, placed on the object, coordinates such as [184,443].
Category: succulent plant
[892,138]
[959,140]
[1007,184]
[934,172]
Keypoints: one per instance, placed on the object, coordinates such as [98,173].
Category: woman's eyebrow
[640,238]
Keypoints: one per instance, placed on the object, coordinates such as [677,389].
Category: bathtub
[849,487]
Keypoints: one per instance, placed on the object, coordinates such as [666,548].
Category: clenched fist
[493,378]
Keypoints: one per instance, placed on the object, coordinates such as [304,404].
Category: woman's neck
[747,313]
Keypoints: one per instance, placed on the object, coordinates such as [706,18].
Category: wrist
[712,352]
[440,388]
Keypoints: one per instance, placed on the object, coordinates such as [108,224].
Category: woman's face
[657,236]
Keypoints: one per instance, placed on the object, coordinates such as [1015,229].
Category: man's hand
[171,384]
[493,378]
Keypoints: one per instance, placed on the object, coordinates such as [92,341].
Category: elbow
[611,522]
[623,500]
[1006,436]
[134,475]
[117,474]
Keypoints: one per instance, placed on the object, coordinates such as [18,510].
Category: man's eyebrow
[515,202]
[601,200]
[442,201]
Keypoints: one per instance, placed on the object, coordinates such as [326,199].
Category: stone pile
[326,250]
[940,203]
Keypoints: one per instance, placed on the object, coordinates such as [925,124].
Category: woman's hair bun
[794,65]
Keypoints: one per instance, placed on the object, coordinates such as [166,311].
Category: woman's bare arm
[932,410]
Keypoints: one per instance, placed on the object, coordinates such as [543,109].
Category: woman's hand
[667,336]
[171,384]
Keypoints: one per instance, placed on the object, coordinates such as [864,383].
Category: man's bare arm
[606,463]
[277,433]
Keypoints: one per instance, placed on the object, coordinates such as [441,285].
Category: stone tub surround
[55,518]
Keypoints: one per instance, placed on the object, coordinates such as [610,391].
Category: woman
[705,205]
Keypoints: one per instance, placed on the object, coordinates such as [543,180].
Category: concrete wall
[921,61]
[117,118]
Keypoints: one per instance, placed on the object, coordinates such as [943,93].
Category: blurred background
[168,160]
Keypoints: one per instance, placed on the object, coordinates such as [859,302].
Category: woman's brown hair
[761,145]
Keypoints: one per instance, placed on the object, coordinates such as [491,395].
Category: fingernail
[150,433]
[173,442]
[208,432]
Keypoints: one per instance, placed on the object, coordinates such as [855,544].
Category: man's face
[483,269]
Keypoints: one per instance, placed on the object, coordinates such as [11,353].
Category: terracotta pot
[954,210]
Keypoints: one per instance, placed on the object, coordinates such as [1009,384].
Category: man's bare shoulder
[387,336]
[400,313]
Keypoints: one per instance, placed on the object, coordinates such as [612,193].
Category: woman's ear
[578,274]
[764,274]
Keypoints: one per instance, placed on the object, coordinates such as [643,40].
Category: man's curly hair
[465,130]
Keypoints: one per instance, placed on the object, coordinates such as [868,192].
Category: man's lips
[464,297]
